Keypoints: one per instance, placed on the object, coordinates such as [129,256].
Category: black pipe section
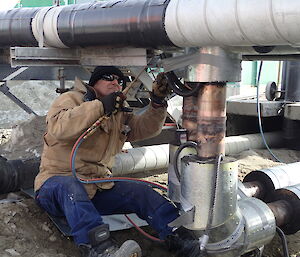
[291,133]
[15,27]
[17,174]
[292,81]
[289,196]
[179,88]
[117,23]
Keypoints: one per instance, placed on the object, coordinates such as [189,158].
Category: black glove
[183,243]
[160,89]
[112,102]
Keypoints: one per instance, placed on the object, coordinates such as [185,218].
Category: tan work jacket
[69,116]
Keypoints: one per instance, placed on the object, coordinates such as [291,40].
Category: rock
[13,196]
[6,220]
[46,228]
[52,238]
[12,252]
[42,255]
[13,226]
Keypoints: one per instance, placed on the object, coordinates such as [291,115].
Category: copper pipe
[254,189]
[189,117]
[211,119]
[282,212]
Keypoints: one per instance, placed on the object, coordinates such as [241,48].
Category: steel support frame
[91,56]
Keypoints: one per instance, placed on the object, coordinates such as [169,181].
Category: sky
[7,4]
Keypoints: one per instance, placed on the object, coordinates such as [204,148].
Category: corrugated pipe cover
[142,159]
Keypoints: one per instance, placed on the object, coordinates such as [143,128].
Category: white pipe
[237,144]
[233,22]
[157,157]
[142,159]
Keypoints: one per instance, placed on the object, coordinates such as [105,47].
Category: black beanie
[99,71]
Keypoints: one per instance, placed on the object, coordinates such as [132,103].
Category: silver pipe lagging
[264,182]
[141,159]
[233,23]
[237,144]
[238,226]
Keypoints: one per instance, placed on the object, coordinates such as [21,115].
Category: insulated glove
[160,87]
[112,102]
[183,242]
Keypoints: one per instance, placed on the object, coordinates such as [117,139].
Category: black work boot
[183,243]
[104,246]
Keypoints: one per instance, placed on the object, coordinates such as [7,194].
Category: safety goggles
[112,77]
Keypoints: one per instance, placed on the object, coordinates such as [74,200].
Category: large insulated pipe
[141,159]
[288,208]
[155,23]
[233,23]
[237,144]
[282,211]
[16,27]
[264,182]
[105,23]
[17,174]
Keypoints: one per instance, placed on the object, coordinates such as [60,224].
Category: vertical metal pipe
[61,77]
[211,118]
[292,87]
[254,73]
[283,75]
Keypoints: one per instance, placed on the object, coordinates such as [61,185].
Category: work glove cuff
[112,102]
[157,102]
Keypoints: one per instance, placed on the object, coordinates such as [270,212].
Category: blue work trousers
[66,196]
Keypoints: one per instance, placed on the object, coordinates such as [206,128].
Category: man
[61,194]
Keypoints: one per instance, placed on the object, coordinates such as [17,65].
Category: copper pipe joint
[189,117]
[211,120]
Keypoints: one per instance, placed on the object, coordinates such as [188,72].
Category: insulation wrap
[138,23]
[15,27]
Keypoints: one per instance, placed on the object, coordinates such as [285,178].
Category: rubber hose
[282,236]
[176,155]
[178,87]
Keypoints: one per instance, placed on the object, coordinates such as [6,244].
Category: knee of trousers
[156,205]
[67,186]
[75,189]
[145,194]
